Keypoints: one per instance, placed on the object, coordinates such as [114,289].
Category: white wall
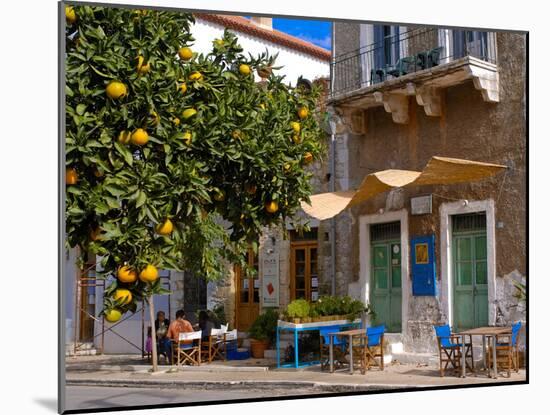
[295,63]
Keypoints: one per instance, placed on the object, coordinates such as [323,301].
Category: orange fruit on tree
[185,53]
[195,76]
[116,90]
[188,113]
[296,138]
[244,69]
[124,137]
[94,233]
[126,274]
[187,137]
[165,228]
[142,67]
[308,157]
[295,126]
[303,112]
[70,14]
[139,137]
[176,120]
[113,315]
[123,295]
[71,177]
[272,206]
[149,273]
[183,88]
[219,196]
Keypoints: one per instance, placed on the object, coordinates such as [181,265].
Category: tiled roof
[240,24]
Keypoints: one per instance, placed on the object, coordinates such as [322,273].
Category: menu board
[270,277]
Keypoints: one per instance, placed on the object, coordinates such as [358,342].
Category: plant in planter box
[298,309]
[262,332]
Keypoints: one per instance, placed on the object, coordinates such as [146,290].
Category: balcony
[419,62]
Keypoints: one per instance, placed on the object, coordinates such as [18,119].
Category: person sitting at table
[206,324]
[179,325]
[161,329]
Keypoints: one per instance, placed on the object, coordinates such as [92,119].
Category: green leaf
[141,198]
[125,153]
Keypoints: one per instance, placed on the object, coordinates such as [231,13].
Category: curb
[145,368]
[236,385]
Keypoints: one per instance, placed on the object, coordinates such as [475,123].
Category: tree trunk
[153,333]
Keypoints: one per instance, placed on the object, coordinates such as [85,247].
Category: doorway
[386,293]
[248,293]
[469,252]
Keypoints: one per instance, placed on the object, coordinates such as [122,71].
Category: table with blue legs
[296,329]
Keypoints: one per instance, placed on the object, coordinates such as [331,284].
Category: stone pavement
[259,374]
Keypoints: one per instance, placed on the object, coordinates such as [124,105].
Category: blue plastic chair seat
[374,335]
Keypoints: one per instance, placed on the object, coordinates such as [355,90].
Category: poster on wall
[270,278]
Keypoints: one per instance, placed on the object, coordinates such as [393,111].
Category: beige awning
[439,170]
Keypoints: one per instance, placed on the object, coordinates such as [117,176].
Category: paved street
[88,397]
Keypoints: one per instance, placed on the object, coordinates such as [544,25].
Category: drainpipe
[332,183]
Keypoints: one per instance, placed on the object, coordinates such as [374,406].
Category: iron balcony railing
[408,52]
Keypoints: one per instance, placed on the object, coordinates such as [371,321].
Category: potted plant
[298,310]
[262,332]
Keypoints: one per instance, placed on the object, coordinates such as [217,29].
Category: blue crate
[238,354]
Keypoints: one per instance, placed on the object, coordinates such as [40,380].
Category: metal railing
[415,50]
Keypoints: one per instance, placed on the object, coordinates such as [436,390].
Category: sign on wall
[423,265]
[270,278]
[421,205]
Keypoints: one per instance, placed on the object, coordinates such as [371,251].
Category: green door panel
[386,295]
[470,295]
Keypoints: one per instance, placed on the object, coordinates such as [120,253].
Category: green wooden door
[470,299]
[385,295]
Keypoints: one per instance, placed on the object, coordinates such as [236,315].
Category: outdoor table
[350,334]
[484,332]
[295,329]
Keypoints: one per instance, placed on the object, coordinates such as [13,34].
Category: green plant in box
[298,309]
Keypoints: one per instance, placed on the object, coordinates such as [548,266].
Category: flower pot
[306,320]
[296,320]
[257,347]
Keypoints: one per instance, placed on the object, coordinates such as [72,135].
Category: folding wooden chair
[507,350]
[324,350]
[450,350]
[215,345]
[373,348]
[189,352]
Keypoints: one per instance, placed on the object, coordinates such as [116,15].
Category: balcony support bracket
[355,119]
[430,99]
[396,104]
[487,82]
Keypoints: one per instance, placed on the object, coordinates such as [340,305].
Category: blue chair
[339,343]
[373,348]
[450,350]
[507,346]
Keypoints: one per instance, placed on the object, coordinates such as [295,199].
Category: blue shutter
[423,265]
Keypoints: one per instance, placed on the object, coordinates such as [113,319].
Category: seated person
[179,325]
[161,329]
[206,324]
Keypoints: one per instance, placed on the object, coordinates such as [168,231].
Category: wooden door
[470,293]
[304,279]
[386,284]
[248,294]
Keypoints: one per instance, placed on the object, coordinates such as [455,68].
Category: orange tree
[162,142]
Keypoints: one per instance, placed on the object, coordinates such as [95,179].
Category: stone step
[82,349]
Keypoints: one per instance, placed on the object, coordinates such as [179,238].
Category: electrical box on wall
[423,265]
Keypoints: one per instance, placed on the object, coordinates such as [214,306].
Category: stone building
[403,95]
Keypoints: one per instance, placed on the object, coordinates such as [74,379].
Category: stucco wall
[467,128]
